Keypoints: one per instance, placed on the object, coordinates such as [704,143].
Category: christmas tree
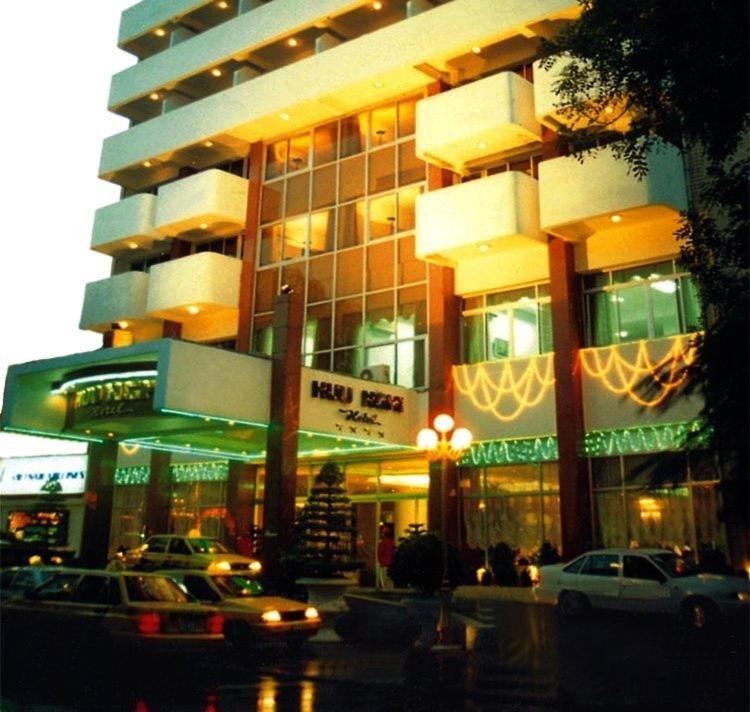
[324,539]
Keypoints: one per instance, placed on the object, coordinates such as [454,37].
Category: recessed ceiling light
[293,42]
[378,85]
[377,5]
[133,245]
[285,116]
[192,309]
[609,109]
[208,144]
[123,324]
[87,431]
[476,50]
[204,226]
[160,32]
[216,72]
[223,4]
[230,422]
[482,145]
[147,164]
[616,218]
[188,445]
[154,96]
[110,435]
[484,247]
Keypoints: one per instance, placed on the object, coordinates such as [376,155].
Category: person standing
[386,547]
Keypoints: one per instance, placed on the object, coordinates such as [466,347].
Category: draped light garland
[216,471]
[623,377]
[632,441]
[492,394]
[132,475]
[511,452]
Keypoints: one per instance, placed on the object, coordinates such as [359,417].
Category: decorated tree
[324,539]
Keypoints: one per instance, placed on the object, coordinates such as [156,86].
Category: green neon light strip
[84,380]
[214,418]
[56,436]
[643,439]
[213,452]
[511,451]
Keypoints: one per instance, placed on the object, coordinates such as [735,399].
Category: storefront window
[128,506]
[199,506]
[647,302]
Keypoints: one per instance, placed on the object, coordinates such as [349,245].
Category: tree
[680,72]
[324,538]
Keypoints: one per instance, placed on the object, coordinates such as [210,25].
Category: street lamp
[437,446]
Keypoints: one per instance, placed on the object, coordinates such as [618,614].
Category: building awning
[185,397]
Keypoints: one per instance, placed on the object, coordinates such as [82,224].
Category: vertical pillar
[565,293]
[281,448]
[443,339]
[240,501]
[97,518]
[249,245]
[156,516]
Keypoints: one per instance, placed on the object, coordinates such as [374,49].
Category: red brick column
[156,516]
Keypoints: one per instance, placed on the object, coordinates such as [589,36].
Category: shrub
[502,559]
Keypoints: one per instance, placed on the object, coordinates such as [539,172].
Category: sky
[59,60]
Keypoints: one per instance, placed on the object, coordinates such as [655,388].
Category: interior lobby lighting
[110,435]
[147,164]
[293,42]
[204,226]
[192,309]
[484,247]
[208,144]
[123,324]
[160,32]
[154,96]
[616,218]
[482,145]
[476,50]
[133,245]
[216,72]
[378,85]
[285,116]
[377,5]
[223,5]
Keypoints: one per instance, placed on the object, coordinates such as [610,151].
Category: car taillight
[215,624]
[149,623]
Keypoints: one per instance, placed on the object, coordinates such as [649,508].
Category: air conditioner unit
[380,373]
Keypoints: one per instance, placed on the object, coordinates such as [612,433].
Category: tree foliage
[324,538]
[680,72]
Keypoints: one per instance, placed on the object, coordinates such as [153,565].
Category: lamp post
[437,446]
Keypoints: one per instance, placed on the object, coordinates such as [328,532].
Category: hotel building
[340,218]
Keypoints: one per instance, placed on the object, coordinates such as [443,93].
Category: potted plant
[323,547]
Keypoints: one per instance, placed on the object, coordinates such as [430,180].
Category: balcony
[485,119]
[202,287]
[121,298]
[317,88]
[126,225]
[212,202]
[610,117]
[578,199]
[478,218]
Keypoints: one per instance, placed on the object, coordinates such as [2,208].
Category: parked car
[16,580]
[99,611]
[654,580]
[169,551]
[251,618]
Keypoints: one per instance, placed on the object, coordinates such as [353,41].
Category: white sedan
[641,580]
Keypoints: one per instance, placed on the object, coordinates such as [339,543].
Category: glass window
[265,289]
[154,588]
[320,279]
[575,566]
[410,359]
[380,260]
[349,272]
[512,478]
[382,212]
[379,323]
[299,152]
[58,588]
[361,477]
[324,187]
[322,232]
[157,545]
[383,125]
[637,567]
[601,565]
[348,329]
[270,207]
[407,206]
[352,178]
[410,269]
[351,225]
[410,168]
[412,312]
[317,335]
[605,472]
[348,361]
[270,245]
[353,134]
[198,587]
[179,546]
[295,238]
[326,143]
[407,117]
[294,276]
[97,590]
[382,170]
[276,159]
[263,335]
[297,194]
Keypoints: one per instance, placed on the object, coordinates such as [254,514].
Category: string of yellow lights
[490,394]
[622,376]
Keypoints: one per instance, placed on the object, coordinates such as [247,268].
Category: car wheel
[699,614]
[573,604]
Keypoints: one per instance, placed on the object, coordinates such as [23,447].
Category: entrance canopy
[185,397]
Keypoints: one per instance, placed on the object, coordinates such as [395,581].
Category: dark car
[122,612]
[16,580]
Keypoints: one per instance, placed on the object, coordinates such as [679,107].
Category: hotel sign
[112,399]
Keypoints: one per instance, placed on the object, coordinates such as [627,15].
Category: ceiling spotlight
[160,32]
[223,5]
[123,324]
[208,144]
[482,145]
[154,96]
[286,289]
[293,42]
[204,226]
[192,309]
[476,50]
[616,218]
[110,435]
[377,5]
[284,116]
[147,164]
[378,85]
[484,247]
[216,72]
[133,245]
[609,109]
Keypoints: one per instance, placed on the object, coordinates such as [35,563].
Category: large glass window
[508,324]
[646,302]
[338,208]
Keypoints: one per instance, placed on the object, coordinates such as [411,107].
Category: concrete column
[97,518]
[249,246]
[281,448]
[156,516]
[565,293]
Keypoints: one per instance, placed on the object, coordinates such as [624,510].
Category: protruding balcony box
[212,202]
[546,102]
[466,126]
[127,224]
[115,299]
[202,284]
[577,199]
[478,217]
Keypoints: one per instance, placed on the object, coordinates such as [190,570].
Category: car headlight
[271,617]
[311,613]
[743,596]
[255,567]
[220,567]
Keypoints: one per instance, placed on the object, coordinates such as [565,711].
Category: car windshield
[238,586]
[674,565]
[154,588]
[207,546]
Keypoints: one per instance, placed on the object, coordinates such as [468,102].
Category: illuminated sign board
[63,474]
[112,399]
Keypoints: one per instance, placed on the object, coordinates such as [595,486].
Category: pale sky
[59,58]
